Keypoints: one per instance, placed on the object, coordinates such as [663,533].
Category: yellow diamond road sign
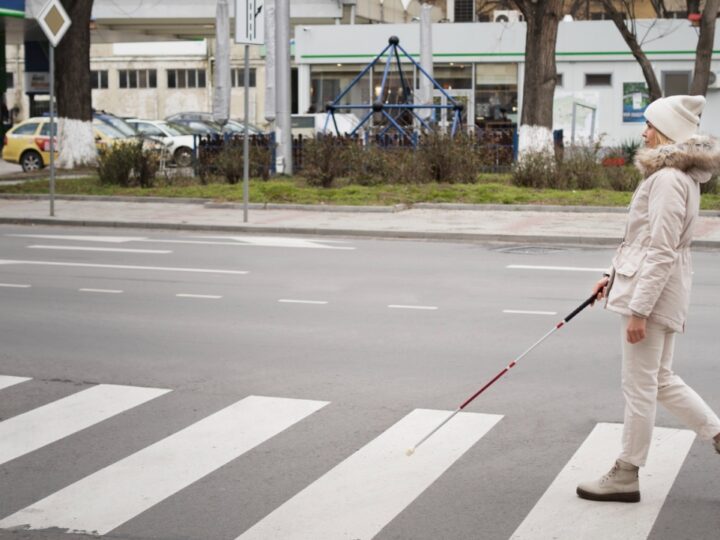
[54,21]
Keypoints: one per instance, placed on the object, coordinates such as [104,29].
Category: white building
[482,64]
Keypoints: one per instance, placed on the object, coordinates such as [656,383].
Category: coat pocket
[628,260]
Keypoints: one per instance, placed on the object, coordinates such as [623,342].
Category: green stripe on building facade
[516,54]
[12,13]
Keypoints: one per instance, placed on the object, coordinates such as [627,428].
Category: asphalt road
[363,333]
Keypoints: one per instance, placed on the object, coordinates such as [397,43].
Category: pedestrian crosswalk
[356,498]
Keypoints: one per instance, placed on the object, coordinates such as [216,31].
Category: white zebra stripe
[561,515]
[7,380]
[112,496]
[366,491]
[37,428]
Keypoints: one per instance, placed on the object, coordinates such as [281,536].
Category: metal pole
[246,142]
[283,105]
[52,131]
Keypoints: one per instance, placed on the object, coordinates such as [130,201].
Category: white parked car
[179,140]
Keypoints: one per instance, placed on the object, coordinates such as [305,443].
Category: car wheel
[183,157]
[31,161]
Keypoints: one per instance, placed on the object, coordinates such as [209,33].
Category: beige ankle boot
[621,484]
[717,446]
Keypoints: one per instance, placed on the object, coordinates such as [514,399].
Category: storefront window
[496,95]
[328,81]
[453,76]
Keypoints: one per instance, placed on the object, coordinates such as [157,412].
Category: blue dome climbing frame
[394,111]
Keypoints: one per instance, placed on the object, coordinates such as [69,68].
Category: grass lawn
[490,189]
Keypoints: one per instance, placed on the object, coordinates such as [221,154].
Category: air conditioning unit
[507,16]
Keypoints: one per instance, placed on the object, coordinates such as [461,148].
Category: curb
[209,203]
[582,241]
[417,235]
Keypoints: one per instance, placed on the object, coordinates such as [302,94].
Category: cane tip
[409,452]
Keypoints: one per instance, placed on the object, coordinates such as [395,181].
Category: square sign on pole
[249,22]
[54,21]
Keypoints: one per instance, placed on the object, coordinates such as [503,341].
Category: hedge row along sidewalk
[490,189]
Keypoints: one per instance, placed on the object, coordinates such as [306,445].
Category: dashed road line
[110,250]
[290,301]
[124,267]
[205,296]
[400,306]
[560,268]
[526,312]
[102,291]
[15,285]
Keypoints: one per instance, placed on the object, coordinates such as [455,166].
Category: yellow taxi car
[28,143]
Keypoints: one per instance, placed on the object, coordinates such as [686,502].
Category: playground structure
[402,117]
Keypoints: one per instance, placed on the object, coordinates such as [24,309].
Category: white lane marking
[112,250]
[125,267]
[156,472]
[241,244]
[208,296]
[15,285]
[9,380]
[560,514]
[277,241]
[289,301]
[524,312]
[400,306]
[102,291]
[562,268]
[362,494]
[81,238]
[34,429]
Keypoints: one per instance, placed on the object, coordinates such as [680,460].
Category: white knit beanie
[676,117]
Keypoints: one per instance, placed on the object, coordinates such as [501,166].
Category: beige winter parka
[652,269]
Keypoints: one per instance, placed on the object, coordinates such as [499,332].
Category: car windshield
[119,124]
[175,130]
[240,125]
[109,131]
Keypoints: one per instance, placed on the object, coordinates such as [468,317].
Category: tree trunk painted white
[535,139]
[76,143]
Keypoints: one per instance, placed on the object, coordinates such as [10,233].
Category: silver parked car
[178,139]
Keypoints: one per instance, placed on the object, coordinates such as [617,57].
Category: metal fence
[497,147]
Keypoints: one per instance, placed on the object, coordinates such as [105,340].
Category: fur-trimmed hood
[699,157]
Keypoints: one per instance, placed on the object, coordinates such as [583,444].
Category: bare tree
[72,88]
[543,18]
[706,42]
[624,20]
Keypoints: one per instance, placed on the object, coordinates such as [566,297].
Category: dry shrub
[325,158]
[128,164]
[535,170]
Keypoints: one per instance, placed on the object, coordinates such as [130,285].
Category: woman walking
[649,286]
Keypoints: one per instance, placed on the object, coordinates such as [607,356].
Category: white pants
[647,378]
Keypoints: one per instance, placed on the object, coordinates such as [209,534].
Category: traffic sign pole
[250,30]
[52,130]
[54,22]
[246,142]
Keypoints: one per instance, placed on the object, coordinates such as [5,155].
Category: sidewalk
[443,222]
